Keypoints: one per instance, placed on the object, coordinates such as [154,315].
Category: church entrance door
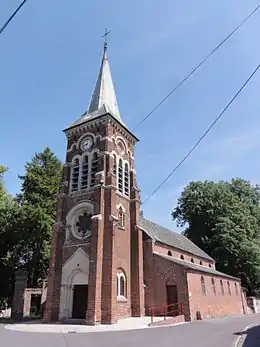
[172,300]
[80,301]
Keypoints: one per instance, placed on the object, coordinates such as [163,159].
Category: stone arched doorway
[74,287]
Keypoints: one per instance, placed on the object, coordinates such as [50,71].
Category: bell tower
[96,266]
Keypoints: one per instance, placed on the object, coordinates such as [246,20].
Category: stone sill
[121,299]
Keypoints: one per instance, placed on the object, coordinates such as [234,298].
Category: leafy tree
[36,215]
[8,209]
[223,219]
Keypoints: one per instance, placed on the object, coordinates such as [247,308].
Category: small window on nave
[192,260]
[229,289]
[182,257]
[121,285]
[170,253]
[222,288]
[203,287]
[213,286]
[236,289]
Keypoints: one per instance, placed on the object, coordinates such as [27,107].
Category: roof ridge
[161,226]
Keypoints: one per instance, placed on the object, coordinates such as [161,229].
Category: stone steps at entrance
[168,321]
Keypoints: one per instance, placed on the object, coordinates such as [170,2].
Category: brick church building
[107,261]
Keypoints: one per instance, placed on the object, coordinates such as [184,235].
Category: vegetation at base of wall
[26,222]
[223,219]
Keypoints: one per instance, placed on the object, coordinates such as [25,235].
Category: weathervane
[107,32]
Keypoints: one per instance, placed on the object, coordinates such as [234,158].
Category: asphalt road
[212,333]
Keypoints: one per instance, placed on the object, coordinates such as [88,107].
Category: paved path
[212,333]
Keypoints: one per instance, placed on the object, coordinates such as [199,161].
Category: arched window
[229,289]
[75,175]
[209,265]
[94,169]
[213,286]
[236,289]
[84,173]
[182,257]
[126,180]
[201,262]
[170,253]
[192,260]
[203,287]
[121,284]
[121,217]
[114,164]
[222,288]
[120,176]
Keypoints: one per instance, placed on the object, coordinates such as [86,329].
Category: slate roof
[194,266]
[170,238]
[103,100]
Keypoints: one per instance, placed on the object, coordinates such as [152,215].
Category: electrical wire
[197,67]
[202,137]
[12,16]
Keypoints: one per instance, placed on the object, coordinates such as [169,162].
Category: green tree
[223,219]
[37,208]
[8,209]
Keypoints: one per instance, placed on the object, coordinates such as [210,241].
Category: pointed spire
[104,95]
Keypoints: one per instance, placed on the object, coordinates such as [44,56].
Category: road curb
[239,340]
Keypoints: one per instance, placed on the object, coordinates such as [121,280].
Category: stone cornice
[91,125]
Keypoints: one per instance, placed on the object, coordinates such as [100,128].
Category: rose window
[83,225]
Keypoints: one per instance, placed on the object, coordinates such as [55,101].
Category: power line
[204,135]
[12,16]
[197,67]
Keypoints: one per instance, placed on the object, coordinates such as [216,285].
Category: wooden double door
[80,301]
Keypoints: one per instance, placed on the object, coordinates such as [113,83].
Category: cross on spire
[107,32]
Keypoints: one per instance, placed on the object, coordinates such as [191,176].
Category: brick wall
[177,253]
[212,305]
[167,273]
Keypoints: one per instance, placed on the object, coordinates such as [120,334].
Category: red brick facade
[111,248]
[98,245]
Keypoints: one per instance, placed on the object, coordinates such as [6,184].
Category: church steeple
[103,100]
[104,95]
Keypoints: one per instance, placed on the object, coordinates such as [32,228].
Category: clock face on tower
[87,143]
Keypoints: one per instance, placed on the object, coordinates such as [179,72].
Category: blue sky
[50,55]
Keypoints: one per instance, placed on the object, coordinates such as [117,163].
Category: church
[108,262]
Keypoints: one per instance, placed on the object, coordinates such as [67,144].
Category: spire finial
[107,31]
